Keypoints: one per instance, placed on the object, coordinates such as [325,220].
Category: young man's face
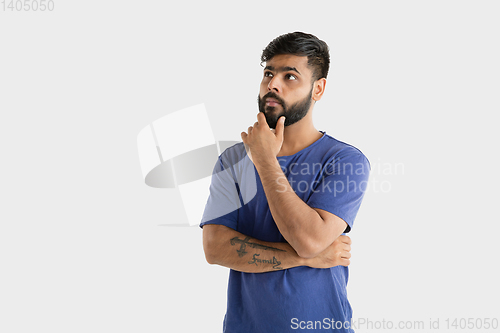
[286,89]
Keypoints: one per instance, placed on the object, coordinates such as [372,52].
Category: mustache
[273,95]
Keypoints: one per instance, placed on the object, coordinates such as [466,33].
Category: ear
[318,89]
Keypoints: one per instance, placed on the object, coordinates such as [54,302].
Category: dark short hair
[301,44]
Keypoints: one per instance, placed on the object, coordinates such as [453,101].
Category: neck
[298,136]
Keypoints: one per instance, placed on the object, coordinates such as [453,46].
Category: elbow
[209,253]
[307,254]
[311,243]
[309,250]
[210,258]
[210,244]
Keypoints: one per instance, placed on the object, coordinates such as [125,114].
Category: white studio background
[83,241]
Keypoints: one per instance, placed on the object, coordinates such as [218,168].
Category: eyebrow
[283,69]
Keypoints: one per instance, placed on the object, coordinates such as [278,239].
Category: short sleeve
[342,186]
[224,200]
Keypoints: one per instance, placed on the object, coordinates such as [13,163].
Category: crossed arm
[313,235]
[227,247]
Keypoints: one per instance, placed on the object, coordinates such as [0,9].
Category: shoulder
[339,151]
[233,155]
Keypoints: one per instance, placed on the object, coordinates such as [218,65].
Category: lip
[272,102]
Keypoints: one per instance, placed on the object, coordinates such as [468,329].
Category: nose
[274,85]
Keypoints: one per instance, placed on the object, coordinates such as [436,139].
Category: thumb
[280,127]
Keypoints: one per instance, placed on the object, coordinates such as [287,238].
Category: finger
[280,127]
[345,239]
[261,119]
[244,137]
[345,262]
[345,255]
[347,247]
[249,130]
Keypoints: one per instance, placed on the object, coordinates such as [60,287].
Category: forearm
[300,225]
[229,248]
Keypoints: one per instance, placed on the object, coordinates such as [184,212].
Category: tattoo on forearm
[275,262]
[244,243]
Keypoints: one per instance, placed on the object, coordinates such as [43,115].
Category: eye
[291,77]
[268,74]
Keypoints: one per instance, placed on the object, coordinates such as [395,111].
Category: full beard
[292,114]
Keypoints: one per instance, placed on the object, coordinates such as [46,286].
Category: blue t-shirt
[328,174]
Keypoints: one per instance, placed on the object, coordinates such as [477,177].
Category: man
[280,202]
